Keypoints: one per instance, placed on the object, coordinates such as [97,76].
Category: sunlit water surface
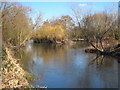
[68,66]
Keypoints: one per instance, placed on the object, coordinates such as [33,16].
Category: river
[68,66]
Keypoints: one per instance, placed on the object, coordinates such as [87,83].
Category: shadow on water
[65,66]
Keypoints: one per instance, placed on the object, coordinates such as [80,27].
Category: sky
[56,9]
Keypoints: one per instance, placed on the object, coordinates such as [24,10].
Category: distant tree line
[17,26]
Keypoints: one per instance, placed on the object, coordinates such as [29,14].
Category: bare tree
[38,21]
[15,23]
[96,27]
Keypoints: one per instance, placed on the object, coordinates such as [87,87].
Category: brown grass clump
[13,76]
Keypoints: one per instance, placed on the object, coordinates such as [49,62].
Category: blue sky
[56,9]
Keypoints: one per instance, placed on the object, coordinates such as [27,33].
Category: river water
[68,66]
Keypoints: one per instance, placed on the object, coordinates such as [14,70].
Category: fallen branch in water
[113,51]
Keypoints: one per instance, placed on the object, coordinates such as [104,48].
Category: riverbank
[60,42]
[112,50]
[13,76]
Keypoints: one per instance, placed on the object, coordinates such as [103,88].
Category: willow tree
[46,32]
[65,21]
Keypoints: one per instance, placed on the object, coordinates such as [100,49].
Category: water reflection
[66,66]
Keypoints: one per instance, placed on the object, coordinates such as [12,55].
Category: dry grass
[12,73]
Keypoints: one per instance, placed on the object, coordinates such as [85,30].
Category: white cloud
[83,5]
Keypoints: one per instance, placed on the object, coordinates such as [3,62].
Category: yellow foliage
[50,32]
